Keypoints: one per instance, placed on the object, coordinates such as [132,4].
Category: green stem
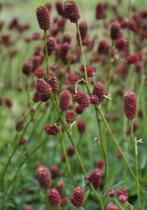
[65,155]
[119,148]
[46,51]
[136,166]
[82,53]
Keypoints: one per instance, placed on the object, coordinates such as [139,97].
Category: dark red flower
[43,175]
[130,104]
[54,197]
[60,8]
[103,47]
[51,129]
[70,116]
[111,206]
[40,73]
[55,171]
[134,58]
[53,83]
[71,11]
[78,197]
[83,26]
[121,43]
[65,100]
[100,10]
[95,178]
[115,30]
[27,67]
[51,45]
[70,150]
[82,99]
[43,17]
[81,126]
[94,99]
[101,164]
[100,91]
[90,71]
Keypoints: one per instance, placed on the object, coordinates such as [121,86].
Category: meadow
[73,111]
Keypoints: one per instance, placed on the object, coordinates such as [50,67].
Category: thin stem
[136,166]
[119,148]
[104,147]
[46,51]
[65,155]
[76,152]
[82,53]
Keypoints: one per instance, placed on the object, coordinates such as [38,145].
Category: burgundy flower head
[99,90]
[27,67]
[81,126]
[78,197]
[55,171]
[53,83]
[43,89]
[121,43]
[111,206]
[133,58]
[43,176]
[83,26]
[65,100]
[95,178]
[115,30]
[82,99]
[51,129]
[100,10]
[130,104]
[43,17]
[54,197]
[70,116]
[71,11]
[70,150]
[60,8]
[51,45]
[40,73]
[103,47]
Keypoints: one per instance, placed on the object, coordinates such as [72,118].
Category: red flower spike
[27,67]
[130,104]
[53,83]
[60,8]
[111,206]
[94,99]
[43,175]
[71,11]
[43,17]
[81,126]
[82,99]
[95,178]
[70,117]
[78,197]
[51,45]
[54,197]
[100,10]
[83,26]
[115,30]
[65,100]
[103,47]
[121,43]
[132,59]
[40,73]
[51,129]
[100,91]
[70,151]
[101,164]
[55,171]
